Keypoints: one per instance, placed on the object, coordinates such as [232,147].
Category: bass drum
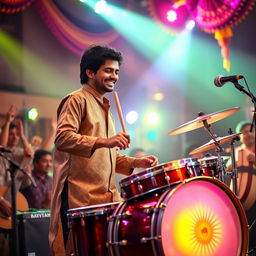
[197,217]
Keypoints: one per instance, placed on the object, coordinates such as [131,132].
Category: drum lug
[187,173]
[167,178]
[146,239]
[140,188]
[123,194]
[148,210]
[122,242]
[162,206]
[124,215]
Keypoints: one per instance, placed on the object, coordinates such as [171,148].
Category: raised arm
[47,143]
[11,114]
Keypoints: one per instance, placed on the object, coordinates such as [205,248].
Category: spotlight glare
[100,6]
[190,24]
[132,117]
[171,16]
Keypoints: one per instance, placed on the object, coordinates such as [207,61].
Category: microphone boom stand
[14,233]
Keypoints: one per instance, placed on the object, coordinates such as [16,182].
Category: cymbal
[198,122]
[211,144]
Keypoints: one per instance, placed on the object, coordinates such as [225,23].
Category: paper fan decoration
[218,17]
[213,16]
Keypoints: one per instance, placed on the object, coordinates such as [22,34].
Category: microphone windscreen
[217,81]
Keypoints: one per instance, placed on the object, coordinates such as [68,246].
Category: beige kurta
[83,116]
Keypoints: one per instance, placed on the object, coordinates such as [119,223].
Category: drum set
[178,208]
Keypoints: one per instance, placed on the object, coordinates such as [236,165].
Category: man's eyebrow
[112,68]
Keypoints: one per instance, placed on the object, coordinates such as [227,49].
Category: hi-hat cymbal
[211,144]
[198,122]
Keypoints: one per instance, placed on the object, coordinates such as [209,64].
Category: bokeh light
[190,24]
[152,135]
[152,118]
[32,114]
[132,117]
[171,15]
[158,96]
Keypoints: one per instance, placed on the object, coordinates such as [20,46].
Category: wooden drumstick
[120,113]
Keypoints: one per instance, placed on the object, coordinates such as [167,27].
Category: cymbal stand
[218,150]
[234,174]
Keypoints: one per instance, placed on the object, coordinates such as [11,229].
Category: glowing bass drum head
[202,217]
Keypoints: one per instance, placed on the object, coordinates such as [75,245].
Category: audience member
[37,142]
[40,197]
[10,136]
[246,181]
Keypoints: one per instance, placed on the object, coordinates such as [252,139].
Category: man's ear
[89,73]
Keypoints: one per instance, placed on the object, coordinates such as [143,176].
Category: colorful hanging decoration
[12,6]
[218,17]
[158,10]
[213,16]
[70,35]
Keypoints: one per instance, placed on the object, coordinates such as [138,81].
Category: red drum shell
[209,166]
[199,216]
[159,177]
[89,227]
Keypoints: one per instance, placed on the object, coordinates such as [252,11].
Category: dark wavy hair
[39,153]
[94,57]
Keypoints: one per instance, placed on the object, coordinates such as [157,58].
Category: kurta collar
[98,96]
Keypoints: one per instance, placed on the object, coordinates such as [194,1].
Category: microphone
[219,81]
[5,150]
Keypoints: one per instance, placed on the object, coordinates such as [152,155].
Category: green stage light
[152,135]
[32,114]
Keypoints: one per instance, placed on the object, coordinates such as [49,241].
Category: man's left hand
[145,162]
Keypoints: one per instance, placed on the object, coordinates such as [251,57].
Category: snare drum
[197,217]
[159,177]
[89,228]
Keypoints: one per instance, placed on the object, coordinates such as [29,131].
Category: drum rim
[93,210]
[208,158]
[113,226]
